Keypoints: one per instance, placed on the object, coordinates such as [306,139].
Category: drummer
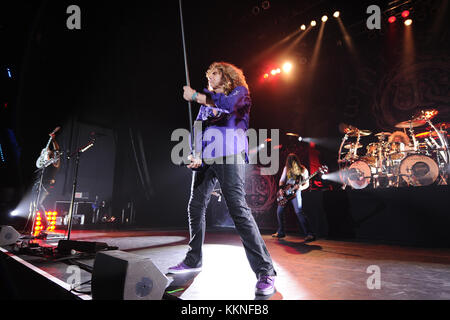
[403,139]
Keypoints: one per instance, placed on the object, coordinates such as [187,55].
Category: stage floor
[320,270]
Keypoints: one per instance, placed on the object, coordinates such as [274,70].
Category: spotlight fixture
[303,27]
[287,67]
[408,22]
[336,14]
[405,14]
[313,23]
[324,18]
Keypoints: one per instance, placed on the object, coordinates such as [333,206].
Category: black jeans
[231,178]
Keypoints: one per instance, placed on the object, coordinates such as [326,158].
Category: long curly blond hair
[398,135]
[232,76]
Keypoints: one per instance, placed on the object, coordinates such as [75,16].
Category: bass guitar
[288,192]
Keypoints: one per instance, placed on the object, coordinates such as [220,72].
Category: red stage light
[405,14]
[266,76]
[392,19]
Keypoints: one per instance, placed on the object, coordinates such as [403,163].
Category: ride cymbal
[410,124]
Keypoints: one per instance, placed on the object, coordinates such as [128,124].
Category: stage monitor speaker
[8,235]
[119,275]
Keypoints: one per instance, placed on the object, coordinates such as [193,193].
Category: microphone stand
[66,246]
[77,155]
[188,81]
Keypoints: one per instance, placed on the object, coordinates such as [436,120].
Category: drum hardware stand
[411,132]
[343,170]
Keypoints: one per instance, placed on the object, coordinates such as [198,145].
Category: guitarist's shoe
[310,238]
[183,268]
[265,286]
[278,235]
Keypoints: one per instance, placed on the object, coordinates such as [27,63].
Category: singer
[225,105]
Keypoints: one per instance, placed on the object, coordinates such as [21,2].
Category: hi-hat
[410,124]
[383,134]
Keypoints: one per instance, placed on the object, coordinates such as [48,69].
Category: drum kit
[400,158]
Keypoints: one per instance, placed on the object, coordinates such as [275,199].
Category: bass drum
[359,175]
[419,170]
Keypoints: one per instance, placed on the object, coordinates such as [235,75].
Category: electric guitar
[44,159]
[289,191]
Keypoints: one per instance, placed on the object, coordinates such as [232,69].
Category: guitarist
[48,165]
[293,175]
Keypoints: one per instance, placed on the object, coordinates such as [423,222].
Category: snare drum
[419,170]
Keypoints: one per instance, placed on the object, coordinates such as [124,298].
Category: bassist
[296,176]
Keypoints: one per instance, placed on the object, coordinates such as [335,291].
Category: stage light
[303,27]
[405,14]
[392,19]
[336,14]
[300,139]
[287,67]
[313,23]
[14,213]
[266,76]
[324,18]
[2,156]
[408,22]
[278,70]
[273,72]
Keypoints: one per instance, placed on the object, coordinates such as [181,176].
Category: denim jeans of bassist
[231,178]
[302,219]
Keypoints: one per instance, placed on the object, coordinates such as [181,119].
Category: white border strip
[45,274]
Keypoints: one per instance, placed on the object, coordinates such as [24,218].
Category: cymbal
[426,114]
[362,133]
[365,132]
[410,123]
[352,146]
[346,128]
[386,134]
